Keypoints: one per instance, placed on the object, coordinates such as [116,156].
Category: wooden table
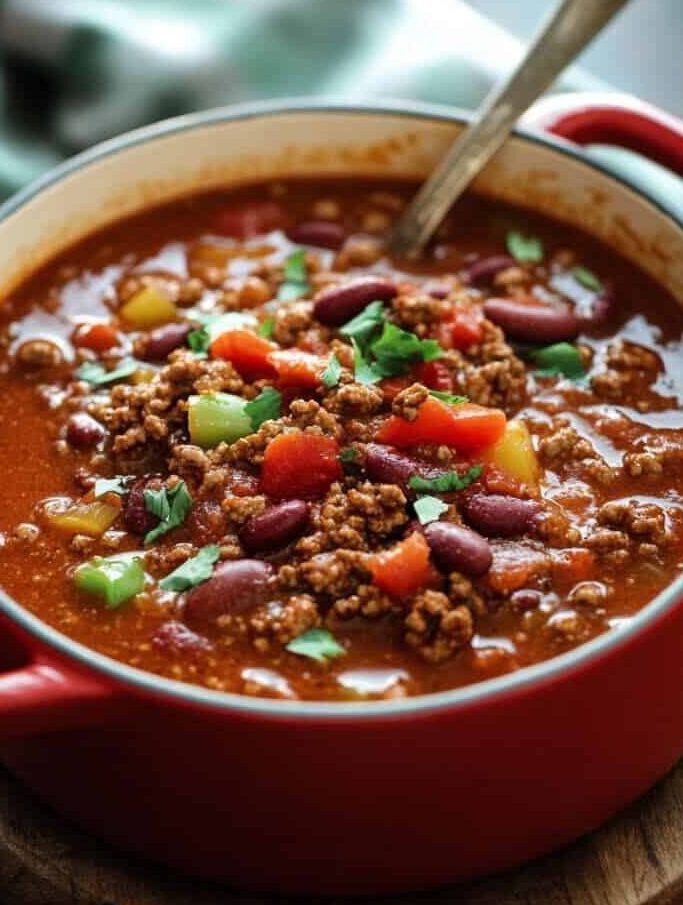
[636,859]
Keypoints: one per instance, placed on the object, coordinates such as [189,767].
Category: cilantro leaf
[363,325]
[316,643]
[447,482]
[332,372]
[348,456]
[265,328]
[364,371]
[266,407]
[193,571]
[524,248]
[448,398]
[110,485]
[295,275]
[429,508]
[96,374]
[559,360]
[171,507]
[587,278]
[199,340]
[396,349]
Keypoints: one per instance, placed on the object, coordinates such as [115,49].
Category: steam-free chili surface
[364,478]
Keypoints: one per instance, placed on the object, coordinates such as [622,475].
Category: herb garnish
[171,507]
[447,482]
[193,571]
[448,398]
[559,360]
[265,328]
[96,374]
[110,485]
[199,340]
[587,278]
[295,277]
[348,456]
[429,508]
[332,373]
[363,325]
[266,407]
[212,325]
[524,248]
[316,643]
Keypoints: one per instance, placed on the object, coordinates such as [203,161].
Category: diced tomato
[572,565]
[435,375]
[392,386]
[298,368]
[462,329]
[515,566]
[300,465]
[404,568]
[466,427]
[244,221]
[248,352]
[98,337]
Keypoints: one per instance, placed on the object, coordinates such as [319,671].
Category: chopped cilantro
[364,371]
[429,508]
[199,340]
[397,349]
[96,374]
[266,407]
[587,278]
[559,360]
[316,643]
[193,571]
[265,328]
[448,398]
[363,325]
[447,482]
[348,456]
[295,277]
[171,507]
[332,372]
[110,485]
[524,248]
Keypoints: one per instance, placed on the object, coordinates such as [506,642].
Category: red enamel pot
[351,797]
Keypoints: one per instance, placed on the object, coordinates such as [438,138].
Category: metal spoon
[570,27]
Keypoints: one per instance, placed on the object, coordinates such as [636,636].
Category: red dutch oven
[356,797]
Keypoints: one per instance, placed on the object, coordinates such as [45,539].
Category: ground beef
[628,368]
[277,622]
[643,523]
[307,414]
[368,602]
[415,311]
[291,321]
[461,591]
[564,445]
[436,628]
[407,402]
[354,400]
[331,575]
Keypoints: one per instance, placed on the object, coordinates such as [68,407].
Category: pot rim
[526,679]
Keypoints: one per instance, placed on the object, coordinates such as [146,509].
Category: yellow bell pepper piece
[514,453]
[92,519]
[149,307]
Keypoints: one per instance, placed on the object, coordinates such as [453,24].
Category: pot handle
[611,119]
[46,694]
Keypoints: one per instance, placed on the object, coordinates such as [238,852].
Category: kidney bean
[323,233]
[498,515]
[82,431]
[540,324]
[526,599]
[437,290]
[136,518]
[603,308]
[276,527]
[484,270]
[457,549]
[252,218]
[234,588]
[159,343]
[389,466]
[338,304]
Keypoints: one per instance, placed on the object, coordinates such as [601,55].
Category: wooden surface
[636,859]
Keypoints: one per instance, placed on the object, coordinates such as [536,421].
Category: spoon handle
[570,27]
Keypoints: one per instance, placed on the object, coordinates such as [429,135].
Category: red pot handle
[611,119]
[46,693]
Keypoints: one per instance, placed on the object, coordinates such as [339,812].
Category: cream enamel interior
[188,155]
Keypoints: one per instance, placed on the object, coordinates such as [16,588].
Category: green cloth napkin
[74,72]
